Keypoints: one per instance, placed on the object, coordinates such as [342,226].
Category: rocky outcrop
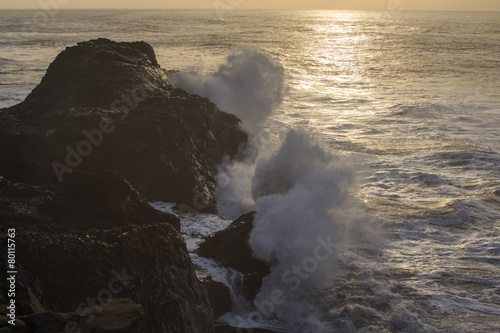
[108,106]
[97,239]
[84,201]
[231,248]
[103,131]
[113,315]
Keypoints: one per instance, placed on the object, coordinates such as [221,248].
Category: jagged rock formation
[118,315]
[84,201]
[79,253]
[108,106]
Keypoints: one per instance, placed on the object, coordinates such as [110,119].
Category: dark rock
[27,301]
[231,248]
[5,327]
[108,199]
[219,296]
[119,315]
[164,141]
[50,322]
[84,201]
[103,129]
[89,266]
[34,297]
[76,249]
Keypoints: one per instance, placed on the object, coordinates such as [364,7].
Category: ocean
[375,153]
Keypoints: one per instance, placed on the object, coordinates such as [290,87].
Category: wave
[421,110]
[301,192]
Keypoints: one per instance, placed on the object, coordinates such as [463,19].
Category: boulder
[219,296]
[231,248]
[148,264]
[83,254]
[106,106]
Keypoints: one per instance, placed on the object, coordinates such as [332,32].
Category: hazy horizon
[257,9]
[439,5]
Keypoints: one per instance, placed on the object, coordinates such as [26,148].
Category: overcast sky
[486,5]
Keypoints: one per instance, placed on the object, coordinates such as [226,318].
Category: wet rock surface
[231,248]
[219,296]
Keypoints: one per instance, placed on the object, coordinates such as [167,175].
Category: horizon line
[290,9]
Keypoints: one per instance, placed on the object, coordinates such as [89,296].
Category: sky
[475,5]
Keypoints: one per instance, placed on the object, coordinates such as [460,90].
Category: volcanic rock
[219,296]
[105,106]
[84,255]
[85,201]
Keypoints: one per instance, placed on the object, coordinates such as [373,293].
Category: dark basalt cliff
[103,133]
[109,106]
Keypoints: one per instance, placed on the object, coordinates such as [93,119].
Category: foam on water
[166,207]
[446,302]
[193,226]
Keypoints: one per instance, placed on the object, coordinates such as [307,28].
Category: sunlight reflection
[337,56]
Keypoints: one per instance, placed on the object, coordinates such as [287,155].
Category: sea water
[373,164]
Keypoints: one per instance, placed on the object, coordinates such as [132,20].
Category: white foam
[193,226]
[165,207]
[231,278]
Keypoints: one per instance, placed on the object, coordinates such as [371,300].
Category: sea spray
[234,178]
[234,197]
[250,84]
[300,190]
[300,193]
[303,203]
